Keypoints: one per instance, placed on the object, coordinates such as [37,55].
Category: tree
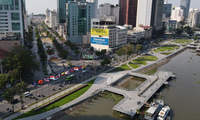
[160,40]
[20,89]
[9,96]
[20,58]
[182,22]
[69,58]
[103,51]
[13,76]
[195,37]
[187,28]
[178,31]
[3,80]
[105,61]
[77,51]
[139,47]
[91,49]
[121,52]
[190,32]
[98,53]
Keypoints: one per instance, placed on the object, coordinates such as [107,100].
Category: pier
[136,99]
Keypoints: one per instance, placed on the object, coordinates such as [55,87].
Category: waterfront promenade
[101,84]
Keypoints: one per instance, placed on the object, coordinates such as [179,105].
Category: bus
[71,77]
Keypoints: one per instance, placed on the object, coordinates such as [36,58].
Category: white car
[84,71]
[26,94]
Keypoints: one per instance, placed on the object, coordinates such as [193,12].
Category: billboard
[6,2]
[87,57]
[100,32]
[98,40]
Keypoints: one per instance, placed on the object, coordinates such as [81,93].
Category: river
[183,94]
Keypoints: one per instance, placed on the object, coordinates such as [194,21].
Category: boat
[154,109]
[163,113]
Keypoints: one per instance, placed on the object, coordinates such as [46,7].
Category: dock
[136,99]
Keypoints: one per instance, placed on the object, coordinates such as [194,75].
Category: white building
[150,13]
[135,35]
[11,19]
[52,19]
[177,14]
[109,10]
[106,35]
[47,16]
[194,18]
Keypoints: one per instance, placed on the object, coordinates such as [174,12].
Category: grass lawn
[155,50]
[166,53]
[151,72]
[121,68]
[166,47]
[148,58]
[112,96]
[133,65]
[139,61]
[182,41]
[59,103]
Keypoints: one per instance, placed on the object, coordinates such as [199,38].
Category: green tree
[182,22]
[3,80]
[77,51]
[69,58]
[139,47]
[20,58]
[14,75]
[98,53]
[103,52]
[91,49]
[178,31]
[105,61]
[121,52]
[20,89]
[9,96]
[195,37]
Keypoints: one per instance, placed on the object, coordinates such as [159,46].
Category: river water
[183,94]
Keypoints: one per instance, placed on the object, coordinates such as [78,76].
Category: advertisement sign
[87,57]
[98,40]
[100,32]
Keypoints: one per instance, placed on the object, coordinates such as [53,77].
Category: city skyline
[42,5]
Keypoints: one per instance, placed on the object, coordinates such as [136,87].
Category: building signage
[100,32]
[87,57]
[98,40]
[6,2]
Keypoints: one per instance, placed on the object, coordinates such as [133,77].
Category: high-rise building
[52,19]
[150,13]
[95,7]
[177,14]
[79,20]
[194,18]
[167,9]
[185,5]
[128,12]
[109,10]
[12,25]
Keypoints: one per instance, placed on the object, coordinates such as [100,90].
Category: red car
[91,68]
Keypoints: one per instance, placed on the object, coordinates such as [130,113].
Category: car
[62,61]
[84,71]
[26,94]
[91,68]
[15,101]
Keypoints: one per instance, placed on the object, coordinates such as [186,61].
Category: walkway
[128,105]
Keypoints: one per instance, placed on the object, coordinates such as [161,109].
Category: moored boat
[163,113]
[154,109]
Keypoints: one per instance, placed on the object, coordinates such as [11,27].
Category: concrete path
[101,83]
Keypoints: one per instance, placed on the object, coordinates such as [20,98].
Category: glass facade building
[185,5]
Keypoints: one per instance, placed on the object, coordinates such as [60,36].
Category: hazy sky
[40,6]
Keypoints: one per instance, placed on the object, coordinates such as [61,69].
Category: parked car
[91,68]
[26,94]
[15,101]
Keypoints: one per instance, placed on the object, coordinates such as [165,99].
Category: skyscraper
[12,20]
[128,12]
[149,13]
[79,20]
[185,5]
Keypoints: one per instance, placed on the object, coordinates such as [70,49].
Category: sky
[40,6]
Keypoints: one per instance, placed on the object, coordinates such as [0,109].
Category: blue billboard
[100,41]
